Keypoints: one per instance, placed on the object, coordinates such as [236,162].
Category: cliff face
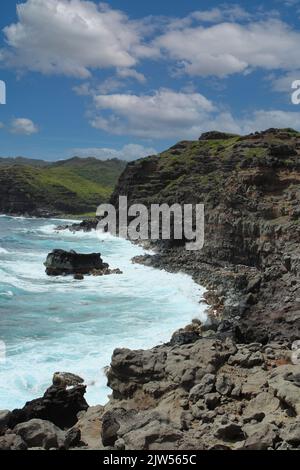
[75,186]
[250,188]
[234,382]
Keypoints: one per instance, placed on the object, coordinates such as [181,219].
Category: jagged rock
[260,436]
[285,390]
[4,419]
[230,432]
[262,405]
[282,151]
[216,135]
[254,284]
[224,384]
[206,385]
[212,400]
[291,433]
[12,442]
[58,405]
[61,262]
[90,426]
[245,358]
[72,438]
[66,379]
[184,337]
[40,433]
[111,426]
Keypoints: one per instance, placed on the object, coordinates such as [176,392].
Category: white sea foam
[62,324]
[3,251]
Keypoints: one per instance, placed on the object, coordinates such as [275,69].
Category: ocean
[59,324]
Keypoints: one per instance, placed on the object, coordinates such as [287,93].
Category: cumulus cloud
[76,37]
[180,115]
[72,37]
[23,126]
[128,153]
[162,114]
[263,119]
[283,83]
[215,15]
[227,48]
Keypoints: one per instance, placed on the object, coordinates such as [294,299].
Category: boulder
[40,433]
[58,405]
[205,386]
[261,436]
[4,419]
[66,379]
[61,262]
[262,405]
[291,433]
[12,442]
[224,384]
[230,432]
[89,424]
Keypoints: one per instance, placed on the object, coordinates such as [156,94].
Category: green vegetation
[76,186]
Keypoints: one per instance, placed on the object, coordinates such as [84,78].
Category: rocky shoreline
[233,383]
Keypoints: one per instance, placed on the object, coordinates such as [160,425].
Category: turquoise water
[59,324]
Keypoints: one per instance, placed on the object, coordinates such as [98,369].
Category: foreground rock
[59,405]
[61,262]
[206,393]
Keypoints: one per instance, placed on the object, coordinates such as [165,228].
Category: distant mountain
[22,161]
[68,187]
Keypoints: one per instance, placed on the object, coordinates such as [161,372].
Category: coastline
[236,390]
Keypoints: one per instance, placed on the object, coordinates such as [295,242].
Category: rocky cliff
[250,188]
[67,187]
[232,383]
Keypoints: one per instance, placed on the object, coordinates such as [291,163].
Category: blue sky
[131,78]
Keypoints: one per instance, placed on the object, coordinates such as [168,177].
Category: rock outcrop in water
[61,262]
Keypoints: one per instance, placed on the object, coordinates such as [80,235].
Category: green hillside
[70,187]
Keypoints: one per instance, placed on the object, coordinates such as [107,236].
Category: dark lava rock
[84,226]
[216,135]
[58,405]
[184,337]
[282,151]
[61,262]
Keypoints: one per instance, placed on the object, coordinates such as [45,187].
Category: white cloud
[128,153]
[163,114]
[284,82]
[71,37]
[215,15]
[23,126]
[131,73]
[228,48]
[179,115]
[263,119]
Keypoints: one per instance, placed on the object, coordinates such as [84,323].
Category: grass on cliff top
[75,186]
